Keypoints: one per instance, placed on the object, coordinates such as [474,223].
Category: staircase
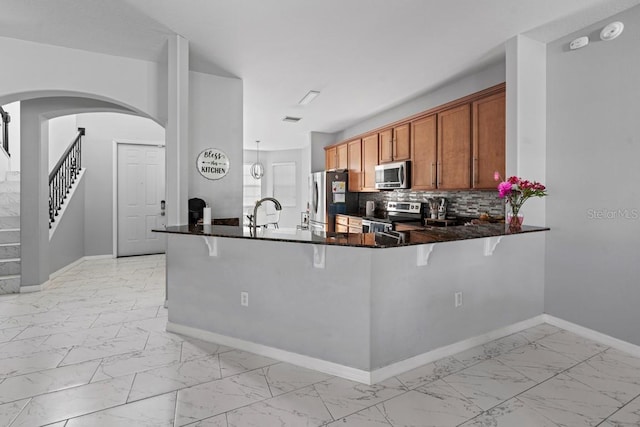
[10,234]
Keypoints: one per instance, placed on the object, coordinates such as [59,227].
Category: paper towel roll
[206,215]
[370,208]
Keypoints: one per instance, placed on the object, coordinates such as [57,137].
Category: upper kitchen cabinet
[330,158]
[424,141]
[488,140]
[336,157]
[342,157]
[354,163]
[369,162]
[395,144]
[454,148]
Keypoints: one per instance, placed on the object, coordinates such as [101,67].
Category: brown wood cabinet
[369,162]
[354,164]
[395,144]
[348,224]
[488,140]
[424,142]
[454,148]
[342,224]
[355,224]
[342,158]
[336,157]
[330,158]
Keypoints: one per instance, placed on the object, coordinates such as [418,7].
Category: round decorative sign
[212,163]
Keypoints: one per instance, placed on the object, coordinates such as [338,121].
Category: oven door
[375,227]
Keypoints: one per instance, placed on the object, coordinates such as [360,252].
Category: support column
[34,203]
[177,131]
[526,72]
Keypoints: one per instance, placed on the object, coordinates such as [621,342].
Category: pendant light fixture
[257,170]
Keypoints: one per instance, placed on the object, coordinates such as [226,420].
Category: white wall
[479,80]
[215,105]
[97,157]
[67,242]
[215,119]
[526,118]
[30,70]
[593,208]
[62,131]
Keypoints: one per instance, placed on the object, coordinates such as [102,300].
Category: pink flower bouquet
[516,191]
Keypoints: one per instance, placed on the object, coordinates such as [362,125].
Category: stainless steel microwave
[393,175]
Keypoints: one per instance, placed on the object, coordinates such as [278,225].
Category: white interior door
[141,195]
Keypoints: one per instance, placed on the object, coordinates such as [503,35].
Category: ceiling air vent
[292,119]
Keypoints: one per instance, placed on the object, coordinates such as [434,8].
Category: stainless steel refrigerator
[330,195]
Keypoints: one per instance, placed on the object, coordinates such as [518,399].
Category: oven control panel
[407,207]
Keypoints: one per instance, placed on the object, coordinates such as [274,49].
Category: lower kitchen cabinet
[348,224]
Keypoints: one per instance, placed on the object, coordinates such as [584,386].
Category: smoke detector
[579,42]
[611,31]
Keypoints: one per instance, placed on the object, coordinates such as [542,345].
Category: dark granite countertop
[369,240]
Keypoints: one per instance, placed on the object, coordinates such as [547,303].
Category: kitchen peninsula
[362,306]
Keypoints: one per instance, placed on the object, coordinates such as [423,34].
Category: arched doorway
[36,253]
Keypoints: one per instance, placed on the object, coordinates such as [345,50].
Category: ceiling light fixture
[292,119]
[257,170]
[611,31]
[310,96]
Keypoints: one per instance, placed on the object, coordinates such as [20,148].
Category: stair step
[12,210]
[10,186]
[9,251]
[10,284]
[12,221]
[10,235]
[9,196]
[9,267]
[12,176]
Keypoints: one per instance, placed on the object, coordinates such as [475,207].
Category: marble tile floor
[91,350]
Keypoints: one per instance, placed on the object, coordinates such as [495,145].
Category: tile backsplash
[468,203]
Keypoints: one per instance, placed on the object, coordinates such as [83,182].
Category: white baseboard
[45,285]
[605,339]
[34,288]
[406,365]
[65,268]
[94,257]
[330,368]
[347,372]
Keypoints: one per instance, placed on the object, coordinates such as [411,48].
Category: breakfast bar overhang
[360,306]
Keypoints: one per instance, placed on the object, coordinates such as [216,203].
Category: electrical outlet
[457,299]
[244,299]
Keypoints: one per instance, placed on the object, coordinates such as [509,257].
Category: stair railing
[6,118]
[63,176]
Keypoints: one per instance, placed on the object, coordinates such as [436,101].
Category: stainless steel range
[396,212]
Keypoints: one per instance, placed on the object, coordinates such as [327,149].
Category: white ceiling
[364,56]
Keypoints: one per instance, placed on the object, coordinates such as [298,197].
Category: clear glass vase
[514,220]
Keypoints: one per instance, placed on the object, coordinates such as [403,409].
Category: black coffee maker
[196,207]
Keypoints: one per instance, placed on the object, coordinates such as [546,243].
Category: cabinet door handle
[439,174]
[433,178]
